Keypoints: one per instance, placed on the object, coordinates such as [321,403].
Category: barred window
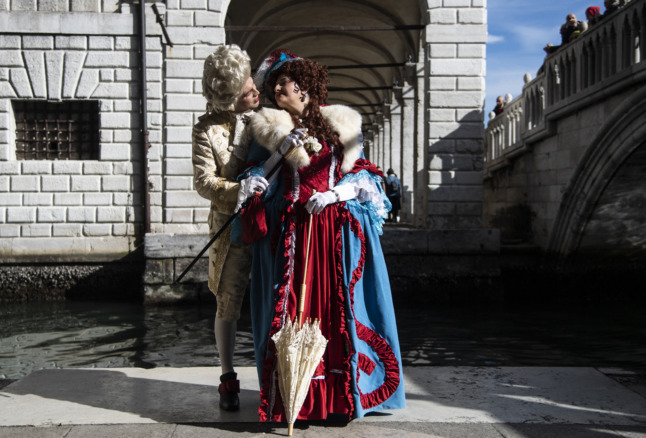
[67,130]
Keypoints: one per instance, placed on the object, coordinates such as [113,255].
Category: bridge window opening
[47,130]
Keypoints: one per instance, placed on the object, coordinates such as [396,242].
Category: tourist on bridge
[220,145]
[570,30]
[326,178]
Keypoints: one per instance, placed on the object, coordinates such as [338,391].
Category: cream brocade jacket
[220,146]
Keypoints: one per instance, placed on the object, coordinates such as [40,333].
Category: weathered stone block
[116,183]
[472,16]
[116,152]
[179,18]
[85,5]
[70,42]
[21,183]
[159,271]
[86,183]
[67,230]
[52,6]
[21,215]
[68,199]
[81,214]
[111,214]
[36,167]
[95,230]
[8,230]
[10,42]
[466,33]
[10,199]
[442,51]
[442,83]
[184,199]
[55,183]
[107,59]
[97,199]
[179,166]
[182,69]
[443,16]
[97,168]
[50,214]
[36,230]
[43,199]
[457,67]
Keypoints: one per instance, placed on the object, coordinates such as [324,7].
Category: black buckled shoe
[229,389]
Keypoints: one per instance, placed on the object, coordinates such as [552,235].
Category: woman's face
[249,98]
[289,96]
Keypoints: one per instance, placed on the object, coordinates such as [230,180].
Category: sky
[518,31]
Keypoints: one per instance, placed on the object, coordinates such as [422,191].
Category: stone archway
[600,177]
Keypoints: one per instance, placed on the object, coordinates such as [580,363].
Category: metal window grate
[67,130]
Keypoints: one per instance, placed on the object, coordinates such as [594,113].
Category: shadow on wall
[455,163]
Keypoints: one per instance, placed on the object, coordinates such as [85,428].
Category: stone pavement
[447,402]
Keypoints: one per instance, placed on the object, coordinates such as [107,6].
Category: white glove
[319,201]
[293,140]
[249,187]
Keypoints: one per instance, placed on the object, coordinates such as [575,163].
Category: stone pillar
[456,39]
[387,138]
[419,76]
[394,160]
[407,163]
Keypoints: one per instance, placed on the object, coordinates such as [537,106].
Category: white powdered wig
[225,73]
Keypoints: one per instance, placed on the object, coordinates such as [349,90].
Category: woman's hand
[319,201]
[293,140]
[249,187]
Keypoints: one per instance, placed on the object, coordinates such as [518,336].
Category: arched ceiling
[364,43]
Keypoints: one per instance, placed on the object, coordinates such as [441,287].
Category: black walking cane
[231,219]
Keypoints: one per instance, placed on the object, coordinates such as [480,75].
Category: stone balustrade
[605,59]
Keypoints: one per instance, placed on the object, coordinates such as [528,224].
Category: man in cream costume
[220,146]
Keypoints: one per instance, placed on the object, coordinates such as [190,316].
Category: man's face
[500,101]
[249,98]
[571,20]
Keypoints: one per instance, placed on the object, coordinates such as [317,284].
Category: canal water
[37,336]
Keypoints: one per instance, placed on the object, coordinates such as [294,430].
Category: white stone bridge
[565,163]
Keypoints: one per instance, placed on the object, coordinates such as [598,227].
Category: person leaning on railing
[570,30]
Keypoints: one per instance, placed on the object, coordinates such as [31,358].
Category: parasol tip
[290,429]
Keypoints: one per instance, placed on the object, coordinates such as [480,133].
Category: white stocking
[225,340]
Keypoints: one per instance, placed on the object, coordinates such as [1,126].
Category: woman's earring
[304,96]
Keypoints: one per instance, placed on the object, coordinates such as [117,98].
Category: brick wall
[71,208]
[455,46]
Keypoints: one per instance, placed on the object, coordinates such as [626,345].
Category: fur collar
[270,127]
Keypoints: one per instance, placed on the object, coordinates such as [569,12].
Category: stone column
[418,74]
[407,163]
[387,138]
[394,160]
[456,39]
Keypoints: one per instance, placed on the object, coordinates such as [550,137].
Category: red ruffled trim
[343,217]
[366,364]
[268,379]
[372,338]
[391,365]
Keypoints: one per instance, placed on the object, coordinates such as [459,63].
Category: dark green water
[106,335]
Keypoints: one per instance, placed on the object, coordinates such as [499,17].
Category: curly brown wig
[310,76]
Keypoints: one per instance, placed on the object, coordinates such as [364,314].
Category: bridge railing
[609,55]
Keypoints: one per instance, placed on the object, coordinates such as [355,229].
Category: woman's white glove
[249,187]
[293,140]
[319,201]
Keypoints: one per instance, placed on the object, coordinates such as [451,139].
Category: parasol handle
[301,300]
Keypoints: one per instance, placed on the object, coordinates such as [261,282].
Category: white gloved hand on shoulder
[293,140]
[249,187]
